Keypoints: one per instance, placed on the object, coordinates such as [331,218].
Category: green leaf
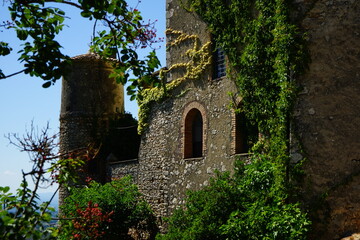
[5,189]
[111,8]
[47,84]
[86,14]
[22,34]
[133,97]
[124,58]
[4,48]
[131,86]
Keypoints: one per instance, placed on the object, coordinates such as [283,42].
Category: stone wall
[123,168]
[89,100]
[162,172]
[328,115]
[164,175]
[327,121]
[162,147]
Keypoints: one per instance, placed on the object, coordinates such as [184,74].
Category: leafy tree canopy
[38,22]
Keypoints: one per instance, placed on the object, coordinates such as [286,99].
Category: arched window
[193,134]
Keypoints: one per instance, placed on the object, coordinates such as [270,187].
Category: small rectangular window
[219,64]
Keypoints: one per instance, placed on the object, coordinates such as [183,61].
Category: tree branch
[51,199]
[13,74]
[66,2]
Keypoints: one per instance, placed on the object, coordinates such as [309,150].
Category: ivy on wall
[265,52]
[199,59]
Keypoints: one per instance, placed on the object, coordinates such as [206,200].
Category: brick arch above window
[194,130]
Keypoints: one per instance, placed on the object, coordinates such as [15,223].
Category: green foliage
[21,214]
[120,197]
[143,73]
[245,206]
[265,52]
[42,57]
[22,217]
[37,23]
[205,211]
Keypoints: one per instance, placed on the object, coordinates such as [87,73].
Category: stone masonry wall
[161,154]
[163,174]
[328,116]
[89,99]
[327,121]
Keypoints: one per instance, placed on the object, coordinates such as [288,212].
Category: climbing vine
[265,52]
[199,60]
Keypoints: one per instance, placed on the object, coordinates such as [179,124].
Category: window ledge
[194,159]
[125,161]
[243,155]
[217,79]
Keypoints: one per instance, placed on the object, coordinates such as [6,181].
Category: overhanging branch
[66,2]
[13,74]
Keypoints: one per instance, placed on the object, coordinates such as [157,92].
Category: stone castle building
[194,133]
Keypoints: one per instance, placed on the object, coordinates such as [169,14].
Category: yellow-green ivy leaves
[199,60]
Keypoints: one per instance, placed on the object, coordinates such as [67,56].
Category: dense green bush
[119,200]
[244,206]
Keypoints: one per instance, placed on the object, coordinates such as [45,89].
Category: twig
[13,74]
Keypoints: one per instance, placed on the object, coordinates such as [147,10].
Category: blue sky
[23,100]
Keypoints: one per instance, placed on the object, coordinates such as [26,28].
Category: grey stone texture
[89,100]
[163,174]
[326,121]
[162,146]
[327,116]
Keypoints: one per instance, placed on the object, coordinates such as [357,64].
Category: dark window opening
[95,169]
[122,141]
[193,134]
[246,134]
[241,135]
[197,136]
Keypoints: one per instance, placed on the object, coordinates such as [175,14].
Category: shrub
[248,205]
[121,203]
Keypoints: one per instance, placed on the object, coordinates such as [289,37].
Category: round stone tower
[88,90]
[90,100]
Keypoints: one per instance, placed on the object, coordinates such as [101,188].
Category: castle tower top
[88,90]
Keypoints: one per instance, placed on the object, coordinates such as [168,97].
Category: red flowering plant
[108,211]
[90,223]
